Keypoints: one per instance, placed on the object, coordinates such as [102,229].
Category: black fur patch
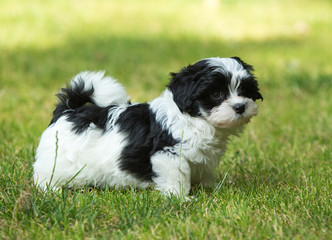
[83,116]
[186,86]
[71,98]
[245,65]
[249,88]
[145,137]
[75,104]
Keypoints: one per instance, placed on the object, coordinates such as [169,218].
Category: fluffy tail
[99,89]
[95,88]
[90,87]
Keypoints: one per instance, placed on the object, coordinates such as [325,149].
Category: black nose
[239,108]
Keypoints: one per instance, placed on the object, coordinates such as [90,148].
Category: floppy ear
[250,69]
[182,86]
[259,96]
[245,65]
[185,86]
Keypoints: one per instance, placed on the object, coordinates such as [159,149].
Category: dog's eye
[216,95]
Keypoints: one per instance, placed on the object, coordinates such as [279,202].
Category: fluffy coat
[98,137]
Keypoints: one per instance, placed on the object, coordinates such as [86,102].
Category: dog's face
[221,90]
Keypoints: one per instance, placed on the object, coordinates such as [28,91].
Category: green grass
[275,178]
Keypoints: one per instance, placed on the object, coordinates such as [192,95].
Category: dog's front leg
[172,174]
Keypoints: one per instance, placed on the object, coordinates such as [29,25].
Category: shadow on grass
[146,61]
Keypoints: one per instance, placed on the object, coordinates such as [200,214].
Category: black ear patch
[259,96]
[185,86]
[251,87]
[245,65]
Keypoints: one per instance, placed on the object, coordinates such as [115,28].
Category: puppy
[98,138]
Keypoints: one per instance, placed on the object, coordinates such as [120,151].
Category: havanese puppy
[97,137]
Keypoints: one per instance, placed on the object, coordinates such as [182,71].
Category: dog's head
[221,90]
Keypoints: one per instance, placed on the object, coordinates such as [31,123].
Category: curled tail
[90,87]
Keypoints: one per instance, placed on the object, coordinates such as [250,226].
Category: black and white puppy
[97,137]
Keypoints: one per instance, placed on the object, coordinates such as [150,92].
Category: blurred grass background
[43,44]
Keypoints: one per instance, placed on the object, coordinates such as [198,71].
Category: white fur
[173,173]
[93,153]
[224,116]
[201,147]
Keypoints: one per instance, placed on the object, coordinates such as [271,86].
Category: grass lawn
[275,179]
